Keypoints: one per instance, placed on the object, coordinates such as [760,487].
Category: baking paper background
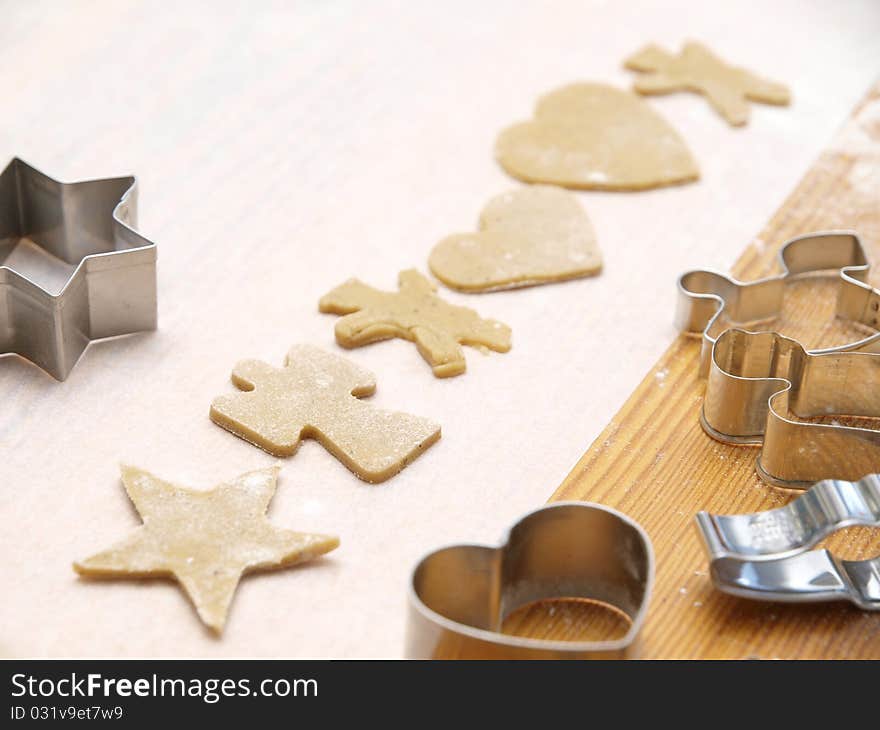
[282,148]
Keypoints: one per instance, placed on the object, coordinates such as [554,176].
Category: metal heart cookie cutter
[767,556]
[459,596]
[762,384]
[72,267]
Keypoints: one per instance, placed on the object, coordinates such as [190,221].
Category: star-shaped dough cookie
[728,88]
[414,313]
[205,539]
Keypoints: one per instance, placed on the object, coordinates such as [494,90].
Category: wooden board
[654,462]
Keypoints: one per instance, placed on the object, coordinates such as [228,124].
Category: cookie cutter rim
[744,406]
[707,295]
[426,627]
[767,555]
[108,293]
[754,409]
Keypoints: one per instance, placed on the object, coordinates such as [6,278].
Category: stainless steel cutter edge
[89,224]
[707,297]
[767,555]
[760,384]
[565,546]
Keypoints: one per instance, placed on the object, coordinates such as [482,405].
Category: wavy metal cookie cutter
[459,596]
[83,232]
[767,556]
[761,384]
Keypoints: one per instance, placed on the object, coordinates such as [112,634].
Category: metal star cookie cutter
[460,595]
[762,385]
[72,267]
[709,302]
[766,556]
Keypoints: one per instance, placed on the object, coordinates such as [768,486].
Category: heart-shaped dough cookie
[597,137]
[535,235]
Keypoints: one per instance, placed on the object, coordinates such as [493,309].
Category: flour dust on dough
[413,313]
[534,235]
[317,395]
[594,136]
[206,539]
[727,88]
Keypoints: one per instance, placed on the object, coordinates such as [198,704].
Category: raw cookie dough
[316,395]
[696,68]
[597,137]
[205,539]
[414,313]
[534,235]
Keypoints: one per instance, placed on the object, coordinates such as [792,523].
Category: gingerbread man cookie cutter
[710,302]
[83,231]
[761,385]
[460,595]
[767,556]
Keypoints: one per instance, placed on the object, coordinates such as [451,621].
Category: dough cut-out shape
[534,235]
[727,88]
[598,137]
[205,539]
[414,313]
[317,395]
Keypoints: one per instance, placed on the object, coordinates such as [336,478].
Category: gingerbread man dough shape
[727,88]
[317,395]
[414,313]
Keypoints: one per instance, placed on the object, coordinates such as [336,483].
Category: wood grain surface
[654,462]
